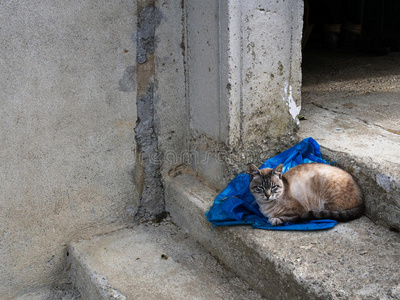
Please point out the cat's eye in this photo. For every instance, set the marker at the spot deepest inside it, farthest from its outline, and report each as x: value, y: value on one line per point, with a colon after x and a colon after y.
x: 259, y: 189
x: 274, y: 188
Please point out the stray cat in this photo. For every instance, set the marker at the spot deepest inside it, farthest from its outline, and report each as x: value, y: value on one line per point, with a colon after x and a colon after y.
x: 307, y: 191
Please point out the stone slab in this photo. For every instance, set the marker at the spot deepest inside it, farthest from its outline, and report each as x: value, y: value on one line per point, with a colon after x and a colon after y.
x: 153, y: 261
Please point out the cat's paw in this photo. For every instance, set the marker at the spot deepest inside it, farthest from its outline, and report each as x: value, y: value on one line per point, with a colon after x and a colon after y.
x: 275, y: 221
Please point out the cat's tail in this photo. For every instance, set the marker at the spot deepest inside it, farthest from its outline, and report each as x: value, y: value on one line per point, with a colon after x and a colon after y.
x: 339, y: 215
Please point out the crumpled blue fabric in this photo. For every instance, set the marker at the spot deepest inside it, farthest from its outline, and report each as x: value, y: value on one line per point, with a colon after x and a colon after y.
x: 235, y: 205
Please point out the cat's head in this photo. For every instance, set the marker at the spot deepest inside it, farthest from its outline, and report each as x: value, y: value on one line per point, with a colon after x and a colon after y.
x: 266, y: 185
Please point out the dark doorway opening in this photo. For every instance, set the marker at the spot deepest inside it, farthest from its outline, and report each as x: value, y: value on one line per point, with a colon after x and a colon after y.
x: 351, y: 92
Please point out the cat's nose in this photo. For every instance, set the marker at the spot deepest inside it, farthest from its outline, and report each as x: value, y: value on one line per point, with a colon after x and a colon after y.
x: 268, y: 194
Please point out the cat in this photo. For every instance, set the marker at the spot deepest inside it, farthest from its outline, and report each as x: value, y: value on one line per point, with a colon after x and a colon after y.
x: 307, y: 191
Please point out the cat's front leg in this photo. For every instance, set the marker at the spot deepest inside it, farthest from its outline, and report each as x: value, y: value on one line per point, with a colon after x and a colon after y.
x: 275, y: 221
x: 282, y: 220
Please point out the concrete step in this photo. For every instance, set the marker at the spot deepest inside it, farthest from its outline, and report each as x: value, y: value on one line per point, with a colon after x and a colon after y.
x: 153, y: 261
x: 65, y: 291
x: 355, y: 260
x: 362, y: 134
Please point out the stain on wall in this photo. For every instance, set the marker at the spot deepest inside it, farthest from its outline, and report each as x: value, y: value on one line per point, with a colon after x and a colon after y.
x: 128, y: 81
x: 152, y: 195
x: 148, y: 19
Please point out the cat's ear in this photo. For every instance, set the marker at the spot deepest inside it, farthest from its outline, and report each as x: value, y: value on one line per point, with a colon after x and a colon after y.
x: 253, y: 171
x: 278, y: 171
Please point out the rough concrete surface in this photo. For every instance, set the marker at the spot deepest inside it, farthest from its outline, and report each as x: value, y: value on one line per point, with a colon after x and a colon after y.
x: 61, y: 292
x: 271, y: 74
x: 202, y: 38
x: 147, y: 130
x: 66, y: 131
x: 243, y: 81
x: 266, y: 73
x: 169, y: 89
x: 153, y: 261
x: 148, y: 19
x: 355, y: 260
x: 152, y: 196
x: 351, y: 106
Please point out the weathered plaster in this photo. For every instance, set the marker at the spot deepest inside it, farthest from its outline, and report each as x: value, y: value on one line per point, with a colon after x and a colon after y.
x: 152, y: 196
x: 287, y: 97
x: 149, y: 18
x: 146, y: 130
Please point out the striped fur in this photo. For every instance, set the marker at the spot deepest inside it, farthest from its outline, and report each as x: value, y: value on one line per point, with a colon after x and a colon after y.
x: 308, y: 191
x: 343, y: 216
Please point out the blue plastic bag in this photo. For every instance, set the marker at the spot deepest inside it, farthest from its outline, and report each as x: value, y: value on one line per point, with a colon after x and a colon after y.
x: 235, y: 205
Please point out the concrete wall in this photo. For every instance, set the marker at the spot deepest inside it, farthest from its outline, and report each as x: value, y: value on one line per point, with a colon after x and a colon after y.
x: 88, y: 134
x: 170, y: 84
x: 68, y: 110
x: 244, y: 76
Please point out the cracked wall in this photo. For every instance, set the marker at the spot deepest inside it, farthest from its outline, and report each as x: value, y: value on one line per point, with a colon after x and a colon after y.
x: 148, y: 19
x: 146, y: 131
x: 162, y: 113
x: 152, y: 195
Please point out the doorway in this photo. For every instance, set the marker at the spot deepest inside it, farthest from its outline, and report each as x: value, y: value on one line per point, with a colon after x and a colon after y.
x: 351, y: 94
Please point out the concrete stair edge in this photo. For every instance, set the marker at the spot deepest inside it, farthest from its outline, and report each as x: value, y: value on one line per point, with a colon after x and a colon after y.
x: 90, y: 284
x: 380, y: 185
x: 152, y: 262
x: 280, y: 265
